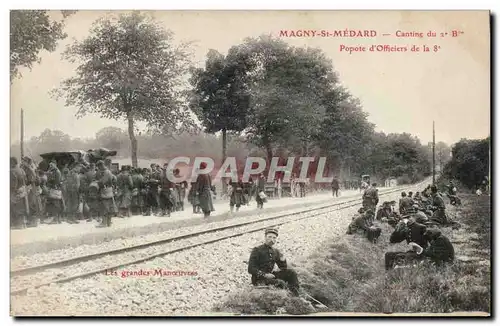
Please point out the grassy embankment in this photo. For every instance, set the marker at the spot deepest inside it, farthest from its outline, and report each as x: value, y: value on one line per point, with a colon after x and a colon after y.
x: 348, y: 275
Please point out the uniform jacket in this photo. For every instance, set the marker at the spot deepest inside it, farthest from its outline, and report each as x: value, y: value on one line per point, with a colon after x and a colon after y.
x: 412, y: 232
x: 262, y: 261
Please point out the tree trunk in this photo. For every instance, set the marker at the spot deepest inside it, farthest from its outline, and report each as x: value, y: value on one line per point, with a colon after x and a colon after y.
x: 133, y: 140
x: 224, y: 156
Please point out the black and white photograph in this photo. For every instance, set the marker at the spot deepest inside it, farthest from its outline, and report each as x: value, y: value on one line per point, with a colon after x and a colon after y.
x: 250, y: 163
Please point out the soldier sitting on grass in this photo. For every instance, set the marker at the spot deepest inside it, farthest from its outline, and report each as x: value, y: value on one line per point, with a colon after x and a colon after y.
x: 262, y: 261
x: 438, y: 251
x: 364, y: 224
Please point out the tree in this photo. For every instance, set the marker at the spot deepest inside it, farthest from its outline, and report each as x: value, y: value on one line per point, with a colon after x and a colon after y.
x: 470, y: 162
x: 345, y: 130
x: 287, y: 85
x: 129, y: 69
x: 111, y: 137
x: 220, y: 95
x: 32, y: 31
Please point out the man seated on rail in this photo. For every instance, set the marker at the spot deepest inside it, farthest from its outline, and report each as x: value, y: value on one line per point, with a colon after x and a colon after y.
x: 262, y: 261
x: 364, y: 224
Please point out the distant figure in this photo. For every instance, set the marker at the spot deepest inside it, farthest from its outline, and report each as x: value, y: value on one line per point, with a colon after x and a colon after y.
x: 335, y: 187
x: 260, y: 196
x: 262, y: 261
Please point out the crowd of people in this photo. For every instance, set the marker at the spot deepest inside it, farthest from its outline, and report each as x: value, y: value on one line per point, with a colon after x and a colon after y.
x: 93, y: 191
x: 416, y: 219
x: 48, y: 193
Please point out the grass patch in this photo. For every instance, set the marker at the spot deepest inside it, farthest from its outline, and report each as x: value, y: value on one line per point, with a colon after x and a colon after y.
x: 348, y: 275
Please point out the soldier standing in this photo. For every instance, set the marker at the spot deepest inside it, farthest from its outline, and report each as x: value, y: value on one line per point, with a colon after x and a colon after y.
x: 260, y: 195
x: 370, y: 198
x: 55, y: 207
x: 125, y: 185
x: 137, y: 181
x: 335, y: 186
x: 181, y: 190
x: 194, y: 199
x: 262, y: 261
x: 107, y: 200
x: 237, y: 196
x: 19, y: 209
x: 167, y: 198
x: 33, y: 193
x: 204, y: 190
x: 73, y: 194
x: 90, y: 191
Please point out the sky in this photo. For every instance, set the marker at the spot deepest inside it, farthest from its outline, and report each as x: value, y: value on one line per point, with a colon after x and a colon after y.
x: 401, y: 92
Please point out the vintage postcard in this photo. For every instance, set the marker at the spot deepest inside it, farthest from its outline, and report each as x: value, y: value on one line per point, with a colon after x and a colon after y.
x: 214, y: 163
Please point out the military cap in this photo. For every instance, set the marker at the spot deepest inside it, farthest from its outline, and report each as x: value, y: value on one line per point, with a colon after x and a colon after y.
x: 361, y: 210
x: 271, y: 230
x: 369, y: 212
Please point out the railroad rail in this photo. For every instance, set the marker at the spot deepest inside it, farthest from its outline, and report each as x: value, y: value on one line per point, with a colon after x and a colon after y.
x: 320, y: 210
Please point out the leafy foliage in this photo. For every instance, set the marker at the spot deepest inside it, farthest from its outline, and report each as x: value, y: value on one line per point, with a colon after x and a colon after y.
x: 129, y: 69
x: 470, y: 163
x: 32, y: 31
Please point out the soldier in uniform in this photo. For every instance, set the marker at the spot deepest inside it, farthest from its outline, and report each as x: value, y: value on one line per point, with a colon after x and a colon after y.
x: 237, y: 196
x: 262, y: 261
x: 364, y: 223
x: 335, y: 186
x: 152, y: 205
x: 204, y: 190
x: 440, y: 249
x: 167, y: 197
x: 410, y: 231
x: 73, y: 195
x: 137, y: 181
x: 370, y: 198
x: 180, y: 187
x: 438, y: 207
x: 125, y: 185
x: 33, y: 193
x: 19, y: 209
x: 107, y: 201
x: 193, y: 198
x: 261, y: 185
x: 55, y: 207
x: 405, y: 203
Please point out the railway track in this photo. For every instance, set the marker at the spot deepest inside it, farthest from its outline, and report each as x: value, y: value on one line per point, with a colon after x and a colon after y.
x: 151, y: 250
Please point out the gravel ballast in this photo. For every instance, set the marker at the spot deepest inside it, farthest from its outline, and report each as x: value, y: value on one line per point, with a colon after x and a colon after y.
x: 210, y: 273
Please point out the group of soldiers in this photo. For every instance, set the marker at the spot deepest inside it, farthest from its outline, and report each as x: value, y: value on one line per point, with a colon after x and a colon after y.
x: 92, y: 191
x: 417, y: 220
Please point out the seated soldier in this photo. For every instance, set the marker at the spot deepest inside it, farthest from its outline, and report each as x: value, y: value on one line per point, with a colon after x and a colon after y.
x: 440, y: 249
x: 411, y: 231
x: 405, y: 203
x: 384, y: 211
x: 364, y: 224
x: 262, y: 261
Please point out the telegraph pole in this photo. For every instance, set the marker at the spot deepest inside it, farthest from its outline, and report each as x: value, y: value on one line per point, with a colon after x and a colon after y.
x: 22, y: 133
x: 433, y: 154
